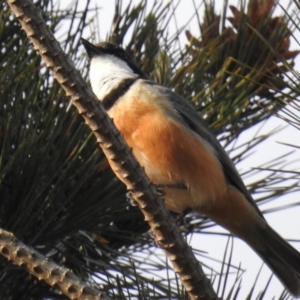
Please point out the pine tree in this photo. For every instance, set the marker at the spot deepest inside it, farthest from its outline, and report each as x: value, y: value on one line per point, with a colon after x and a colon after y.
x: 57, y: 192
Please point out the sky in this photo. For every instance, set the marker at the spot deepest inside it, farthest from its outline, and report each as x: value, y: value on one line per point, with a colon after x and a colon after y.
x: 286, y: 222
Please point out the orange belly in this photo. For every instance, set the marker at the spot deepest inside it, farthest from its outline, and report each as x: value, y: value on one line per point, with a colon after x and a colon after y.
x: 171, y: 154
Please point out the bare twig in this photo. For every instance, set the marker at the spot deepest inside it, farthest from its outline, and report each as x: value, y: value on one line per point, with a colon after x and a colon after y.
x: 113, y: 145
x: 40, y: 267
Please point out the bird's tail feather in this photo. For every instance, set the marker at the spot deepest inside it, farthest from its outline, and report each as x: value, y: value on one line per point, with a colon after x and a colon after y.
x: 281, y: 257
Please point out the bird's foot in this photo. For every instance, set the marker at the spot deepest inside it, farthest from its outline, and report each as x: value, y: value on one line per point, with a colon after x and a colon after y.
x: 130, y: 198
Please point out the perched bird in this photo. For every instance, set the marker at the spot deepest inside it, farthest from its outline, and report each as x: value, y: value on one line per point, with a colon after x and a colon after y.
x: 182, y: 157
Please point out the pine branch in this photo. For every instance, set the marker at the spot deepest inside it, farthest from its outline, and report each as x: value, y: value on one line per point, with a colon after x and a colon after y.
x: 163, y: 226
x: 43, y: 269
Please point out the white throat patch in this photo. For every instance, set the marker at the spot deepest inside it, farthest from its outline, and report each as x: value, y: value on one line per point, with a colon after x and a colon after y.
x: 106, y: 73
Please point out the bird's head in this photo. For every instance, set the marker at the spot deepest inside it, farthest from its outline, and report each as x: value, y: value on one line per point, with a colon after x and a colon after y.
x: 109, y: 65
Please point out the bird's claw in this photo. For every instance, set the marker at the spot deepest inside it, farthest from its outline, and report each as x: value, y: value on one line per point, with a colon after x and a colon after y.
x: 130, y: 198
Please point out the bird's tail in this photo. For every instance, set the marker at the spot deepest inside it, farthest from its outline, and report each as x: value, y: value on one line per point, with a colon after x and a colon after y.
x: 281, y: 257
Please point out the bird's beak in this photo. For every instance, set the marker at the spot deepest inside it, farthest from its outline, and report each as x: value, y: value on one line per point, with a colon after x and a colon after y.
x: 91, y: 49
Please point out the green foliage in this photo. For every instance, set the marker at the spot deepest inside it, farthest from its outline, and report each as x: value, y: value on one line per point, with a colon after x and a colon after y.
x: 57, y: 192
x: 239, y: 64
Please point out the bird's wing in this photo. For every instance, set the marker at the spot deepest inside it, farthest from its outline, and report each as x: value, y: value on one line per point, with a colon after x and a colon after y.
x: 191, y: 119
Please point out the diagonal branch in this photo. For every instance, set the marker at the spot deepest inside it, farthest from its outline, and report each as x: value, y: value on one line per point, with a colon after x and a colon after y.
x: 113, y: 145
x: 40, y: 267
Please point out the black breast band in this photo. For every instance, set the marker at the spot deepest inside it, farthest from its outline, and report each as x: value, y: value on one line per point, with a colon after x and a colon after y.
x: 114, y: 95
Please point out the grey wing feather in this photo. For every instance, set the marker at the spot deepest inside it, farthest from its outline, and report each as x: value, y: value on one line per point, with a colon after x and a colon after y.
x: 191, y: 119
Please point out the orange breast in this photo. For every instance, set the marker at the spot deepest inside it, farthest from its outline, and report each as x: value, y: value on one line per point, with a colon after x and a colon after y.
x: 170, y: 152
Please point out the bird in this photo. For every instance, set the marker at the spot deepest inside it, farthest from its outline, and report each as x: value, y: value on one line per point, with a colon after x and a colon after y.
x: 182, y: 157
